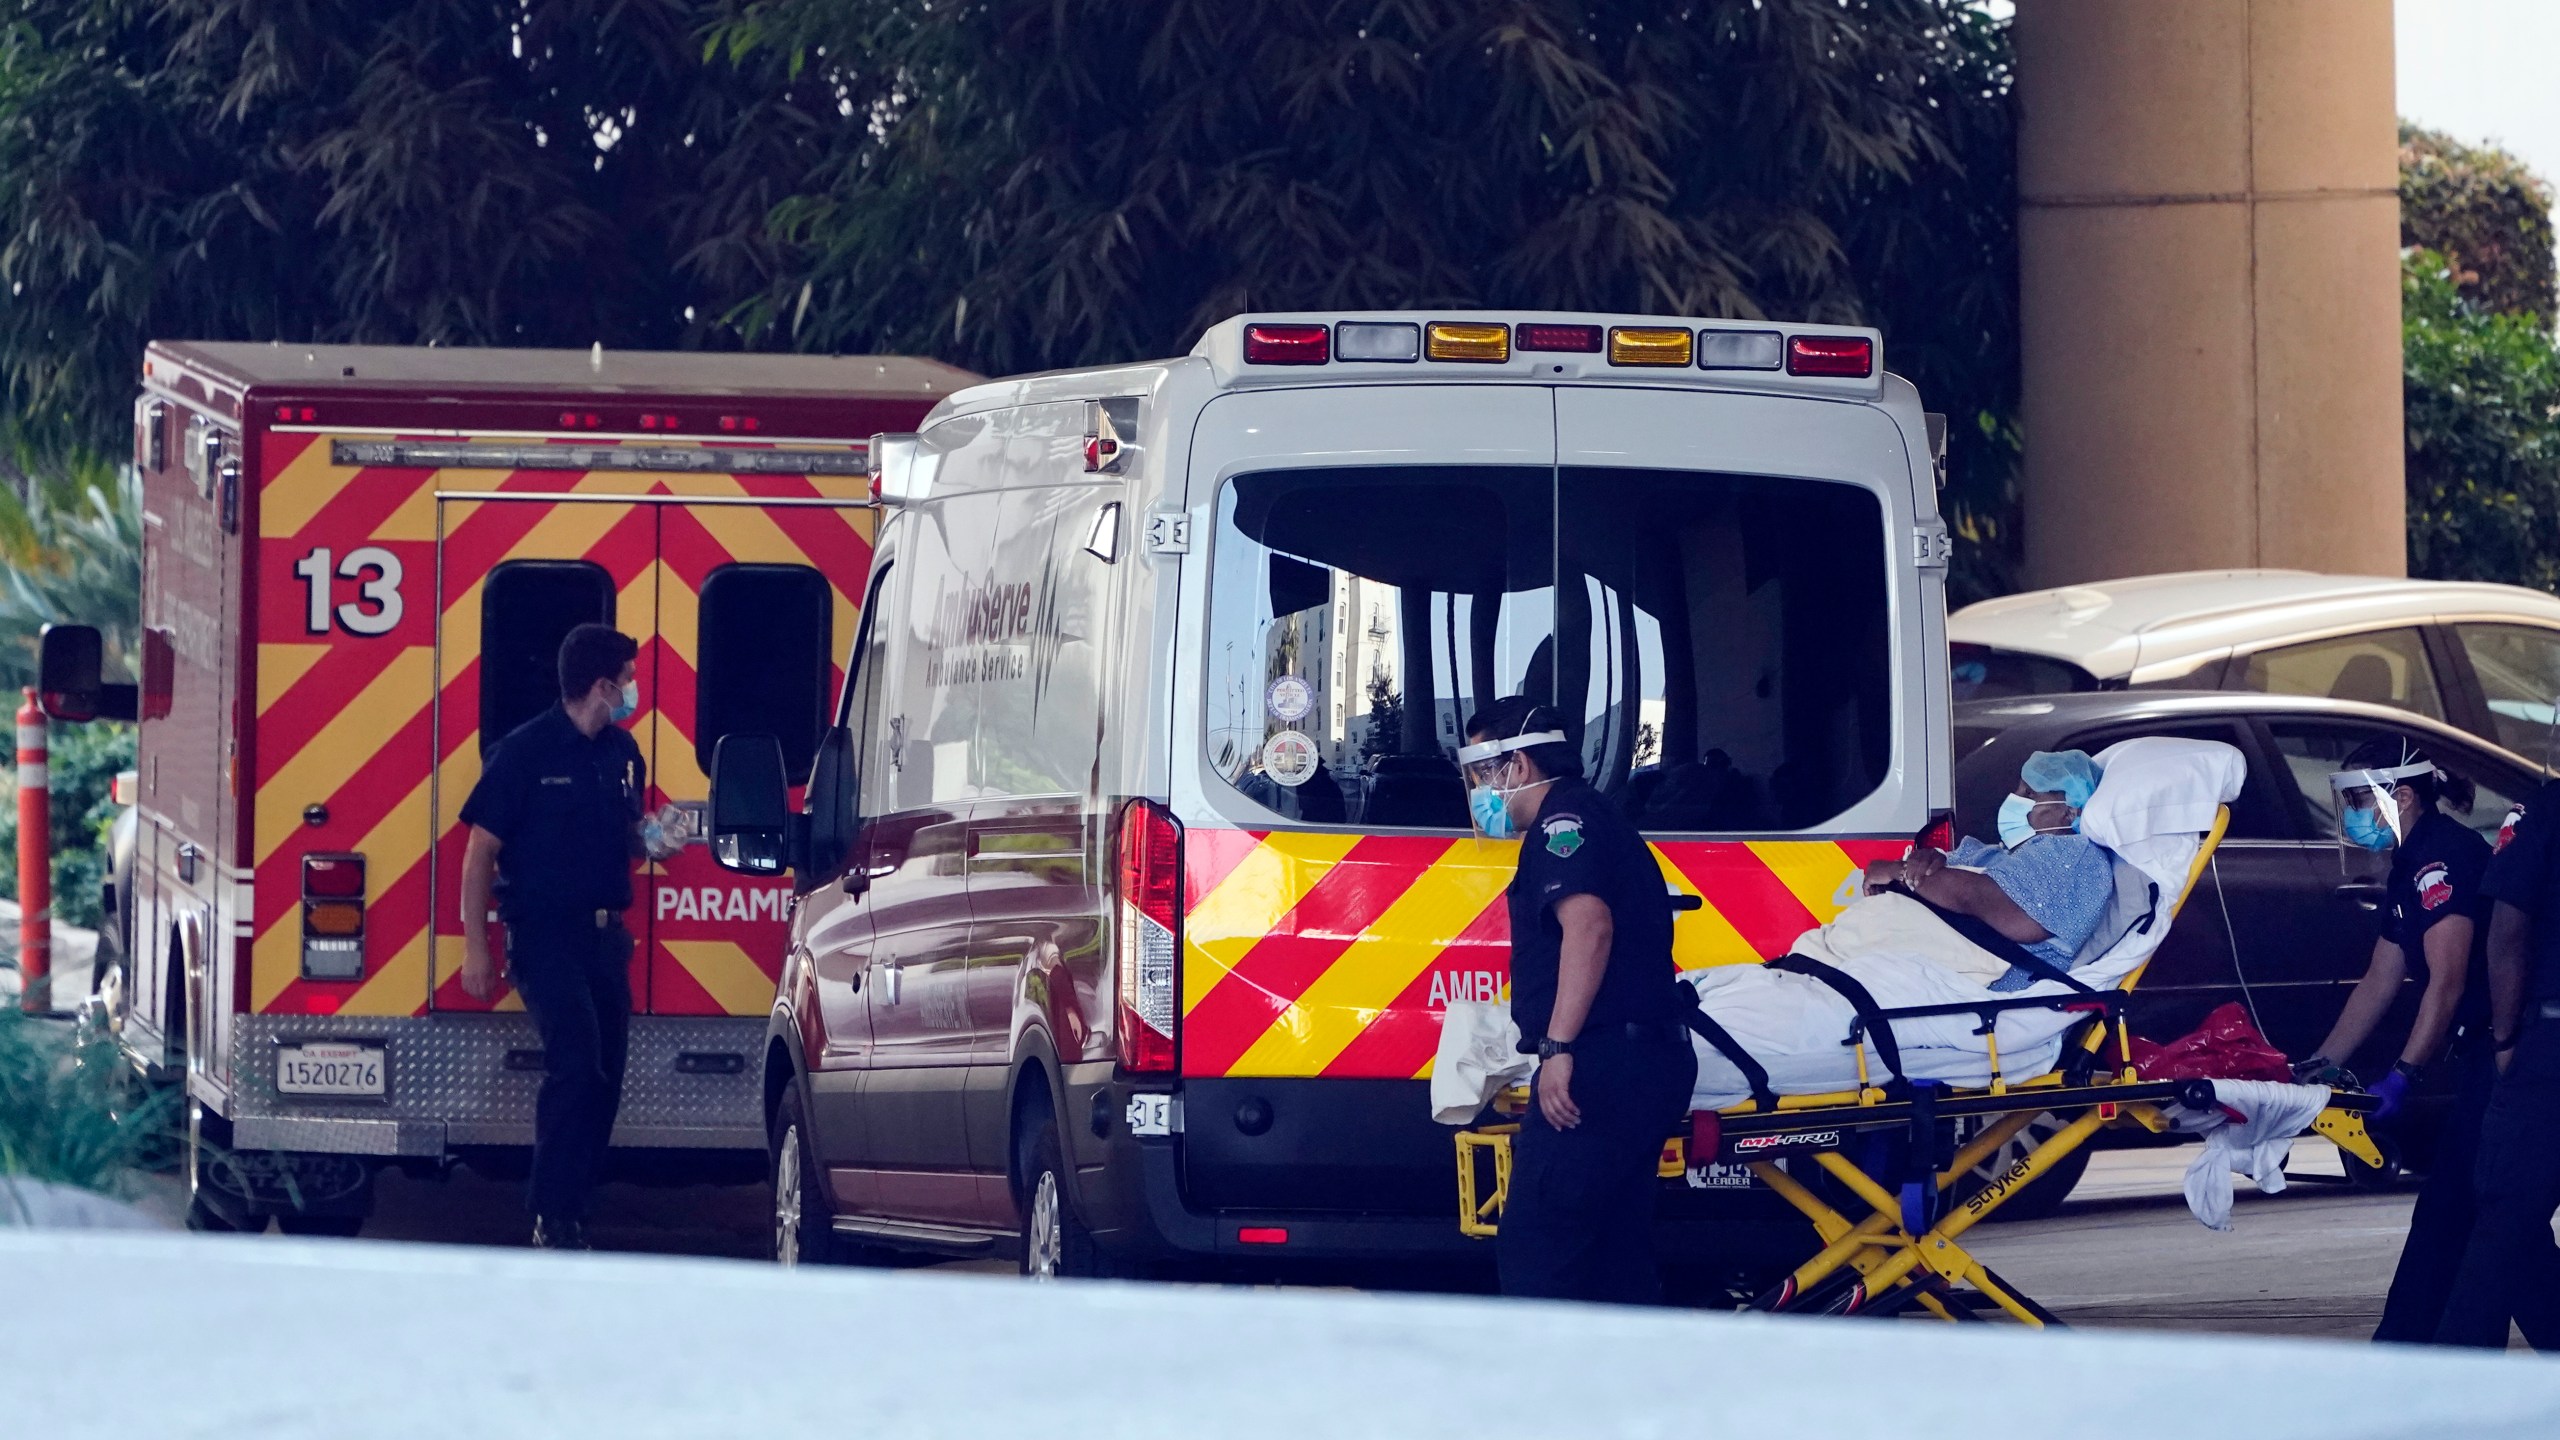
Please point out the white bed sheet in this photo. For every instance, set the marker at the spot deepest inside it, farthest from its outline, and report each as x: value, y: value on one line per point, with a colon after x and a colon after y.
x: 2156, y: 800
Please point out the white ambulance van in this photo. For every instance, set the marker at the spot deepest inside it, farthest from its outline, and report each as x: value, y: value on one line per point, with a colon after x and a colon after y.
x: 1135, y: 871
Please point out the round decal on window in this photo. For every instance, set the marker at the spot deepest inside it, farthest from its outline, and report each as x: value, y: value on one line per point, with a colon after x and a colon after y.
x: 1290, y: 698
x: 1289, y: 758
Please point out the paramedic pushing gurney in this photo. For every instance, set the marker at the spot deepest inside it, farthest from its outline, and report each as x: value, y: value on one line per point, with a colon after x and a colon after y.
x: 1593, y: 989
x: 2044, y: 887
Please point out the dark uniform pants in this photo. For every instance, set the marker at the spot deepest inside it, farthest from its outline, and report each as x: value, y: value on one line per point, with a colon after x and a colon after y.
x: 575, y: 977
x: 1578, y: 1222
x: 2440, y: 1224
x: 2511, y: 1269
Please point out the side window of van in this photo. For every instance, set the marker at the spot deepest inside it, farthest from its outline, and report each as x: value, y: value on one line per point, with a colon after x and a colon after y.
x: 767, y: 634
x: 527, y: 607
x: 950, y: 603
x: 1034, y: 649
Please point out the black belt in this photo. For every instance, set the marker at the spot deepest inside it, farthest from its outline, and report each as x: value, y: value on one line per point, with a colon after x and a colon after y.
x: 604, y: 919
x: 1657, y: 1030
x: 1870, y: 1015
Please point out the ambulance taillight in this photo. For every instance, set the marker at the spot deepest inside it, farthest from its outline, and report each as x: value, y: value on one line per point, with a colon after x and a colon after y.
x: 1853, y: 356
x: 1148, y: 879
x: 1288, y: 344
x: 332, y: 917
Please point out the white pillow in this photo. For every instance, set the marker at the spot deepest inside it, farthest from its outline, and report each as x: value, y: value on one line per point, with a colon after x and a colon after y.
x: 2154, y: 785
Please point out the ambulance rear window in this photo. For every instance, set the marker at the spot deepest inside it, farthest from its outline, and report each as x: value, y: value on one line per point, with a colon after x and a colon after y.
x: 527, y: 607
x: 1719, y: 644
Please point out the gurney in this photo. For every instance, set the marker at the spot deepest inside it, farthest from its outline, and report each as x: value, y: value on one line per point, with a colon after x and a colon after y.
x: 1887, y: 1146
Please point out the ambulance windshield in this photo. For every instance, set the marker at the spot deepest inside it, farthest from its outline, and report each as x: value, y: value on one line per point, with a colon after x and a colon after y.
x: 1720, y: 642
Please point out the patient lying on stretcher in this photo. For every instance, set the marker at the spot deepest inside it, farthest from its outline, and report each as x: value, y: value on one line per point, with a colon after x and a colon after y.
x: 2043, y: 887
x: 1933, y: 929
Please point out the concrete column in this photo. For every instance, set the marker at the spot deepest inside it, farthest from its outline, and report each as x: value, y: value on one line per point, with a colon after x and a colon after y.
x: 2210, y: 293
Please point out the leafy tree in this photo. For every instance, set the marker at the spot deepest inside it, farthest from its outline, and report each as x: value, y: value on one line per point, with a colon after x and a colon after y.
x: 2486, y: 214
x: 72, y: 561
x: 1030, y: 183
x: 2482, y: 394
x: 403, y: 171
x: 1385, y: 731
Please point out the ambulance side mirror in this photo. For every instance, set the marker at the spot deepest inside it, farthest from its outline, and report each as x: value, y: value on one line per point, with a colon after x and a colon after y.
x: 71, y: 677
x: 750, y: 805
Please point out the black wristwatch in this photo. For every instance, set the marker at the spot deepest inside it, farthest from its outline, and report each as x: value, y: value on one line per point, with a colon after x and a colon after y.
x: 2415, y: 1073
x: 1550, y: 1047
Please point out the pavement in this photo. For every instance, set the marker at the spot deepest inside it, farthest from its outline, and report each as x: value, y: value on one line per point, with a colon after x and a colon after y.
x: 2123, y: 1253
x: 73, y: 956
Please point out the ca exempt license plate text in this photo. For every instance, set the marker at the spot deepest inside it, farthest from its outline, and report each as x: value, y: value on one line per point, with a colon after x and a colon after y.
x: 329, y: 1067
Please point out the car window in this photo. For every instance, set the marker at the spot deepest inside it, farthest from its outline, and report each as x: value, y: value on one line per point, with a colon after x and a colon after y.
x: 2519, y: 670
x: 2312, y: 750
x: 2379, y: 667
x: 1986, y: 672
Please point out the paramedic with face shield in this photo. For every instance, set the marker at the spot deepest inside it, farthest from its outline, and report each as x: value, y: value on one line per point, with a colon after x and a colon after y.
x: 2044, y: 887
x: 2432, y: 908
x: 1595, y: 994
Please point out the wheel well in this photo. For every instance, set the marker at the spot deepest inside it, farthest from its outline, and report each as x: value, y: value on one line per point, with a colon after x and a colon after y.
x: 778, y: 1072
x: 1031, y: 1093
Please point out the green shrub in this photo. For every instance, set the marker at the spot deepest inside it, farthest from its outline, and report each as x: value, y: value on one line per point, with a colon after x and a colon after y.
x: 2487, y: 214
x: 2482, y: 394
x: 85, y: 759
x: 71, y: 1111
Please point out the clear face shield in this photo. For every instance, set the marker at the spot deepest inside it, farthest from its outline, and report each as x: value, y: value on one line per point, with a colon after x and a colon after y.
x: 2368, y: 808
x: 1494, y: 773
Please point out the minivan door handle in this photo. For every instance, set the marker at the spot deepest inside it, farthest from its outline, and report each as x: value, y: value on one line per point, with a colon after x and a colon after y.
x: 2364, y: 894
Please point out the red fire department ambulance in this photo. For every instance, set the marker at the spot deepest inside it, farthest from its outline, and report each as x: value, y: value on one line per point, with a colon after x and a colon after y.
x: 358, y: 566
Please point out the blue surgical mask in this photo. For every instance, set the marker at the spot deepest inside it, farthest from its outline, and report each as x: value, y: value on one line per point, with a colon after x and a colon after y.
x: 629, y: 703
x: 2364, y: 827
x: 1492, y: 816
x: 2016, y: 826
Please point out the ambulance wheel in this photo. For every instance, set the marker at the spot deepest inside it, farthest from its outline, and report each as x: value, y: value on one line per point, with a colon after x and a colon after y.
x: 208, y: 1210
x: 803, y: 1226
x: 1055, y: 1244
x: 2041, y: 1197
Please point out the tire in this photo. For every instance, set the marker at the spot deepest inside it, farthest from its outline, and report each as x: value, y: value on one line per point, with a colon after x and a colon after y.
x: 2038, y: 1199
x: 1055, y: 1244
x: 207, y: 1140
x: 334, y: 1227
x: 803, y: 1228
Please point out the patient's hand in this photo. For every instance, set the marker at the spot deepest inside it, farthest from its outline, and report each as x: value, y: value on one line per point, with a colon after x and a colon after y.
x: 1921, y: 864
x: 1881, y: 875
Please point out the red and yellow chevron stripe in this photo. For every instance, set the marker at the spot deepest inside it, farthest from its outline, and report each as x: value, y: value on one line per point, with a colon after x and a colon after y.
x: 1309, y: 953
x: 382, y: 730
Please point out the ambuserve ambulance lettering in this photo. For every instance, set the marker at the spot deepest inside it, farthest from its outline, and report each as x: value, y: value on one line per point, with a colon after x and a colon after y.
x: 714, y: 902
x: 993, y: 631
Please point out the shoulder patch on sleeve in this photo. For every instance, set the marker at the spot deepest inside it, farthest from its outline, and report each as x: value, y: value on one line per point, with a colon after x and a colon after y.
x: 1564, y: 835
x: 2507, y: 827
x: 2434, y: 884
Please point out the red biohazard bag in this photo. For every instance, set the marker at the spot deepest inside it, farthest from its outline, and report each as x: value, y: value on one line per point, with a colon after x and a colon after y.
x: 2225, y: 1047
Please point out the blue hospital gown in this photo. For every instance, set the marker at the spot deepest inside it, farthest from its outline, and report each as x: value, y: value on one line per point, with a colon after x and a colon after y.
x: 2063, y: 882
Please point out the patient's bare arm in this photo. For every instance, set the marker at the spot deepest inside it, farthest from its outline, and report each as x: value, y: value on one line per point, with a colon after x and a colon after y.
x: 1969, y: 892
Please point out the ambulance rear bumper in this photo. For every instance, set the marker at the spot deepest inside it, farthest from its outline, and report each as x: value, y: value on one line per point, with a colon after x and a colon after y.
x: 458, y: 1081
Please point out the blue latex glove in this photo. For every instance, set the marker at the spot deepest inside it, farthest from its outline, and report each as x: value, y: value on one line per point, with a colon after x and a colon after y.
x: 2393, y: 1089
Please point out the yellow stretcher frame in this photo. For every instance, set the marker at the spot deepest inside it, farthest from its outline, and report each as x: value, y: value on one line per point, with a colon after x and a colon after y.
x: 1875, y: 1265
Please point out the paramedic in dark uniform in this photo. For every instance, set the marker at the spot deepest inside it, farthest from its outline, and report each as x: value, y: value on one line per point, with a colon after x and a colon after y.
x: 2433, y: 920
x: 1596, y: 996
x: 557, y: 818
x: 2511, y: 1269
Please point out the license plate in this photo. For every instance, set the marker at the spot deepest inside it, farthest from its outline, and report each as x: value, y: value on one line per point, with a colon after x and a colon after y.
x: 330, y: 1067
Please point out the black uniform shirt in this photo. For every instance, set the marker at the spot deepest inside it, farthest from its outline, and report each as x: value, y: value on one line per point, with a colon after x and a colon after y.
x: 1581, y: 845
x: 2436, y: 874
x: 2522, y: 876
x: 567, y: 809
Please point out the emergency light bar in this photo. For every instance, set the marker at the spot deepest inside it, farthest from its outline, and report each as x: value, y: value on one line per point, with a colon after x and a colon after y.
x: 714, y: 460
x: 1480, y: 342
